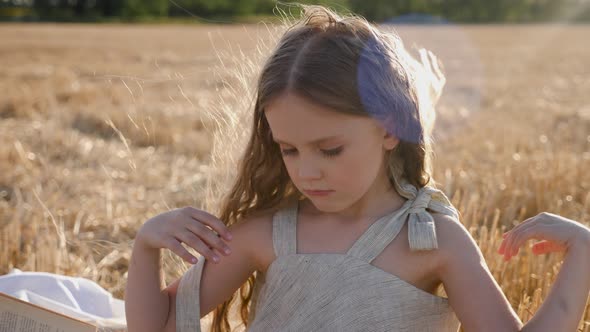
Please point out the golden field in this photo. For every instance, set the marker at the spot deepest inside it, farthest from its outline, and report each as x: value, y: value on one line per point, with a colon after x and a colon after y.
x: 104, y: 126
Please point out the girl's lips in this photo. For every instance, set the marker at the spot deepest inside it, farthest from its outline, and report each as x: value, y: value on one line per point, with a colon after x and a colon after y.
x: 318, y: 192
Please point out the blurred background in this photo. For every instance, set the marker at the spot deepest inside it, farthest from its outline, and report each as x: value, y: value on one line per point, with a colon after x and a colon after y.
x: 378, y: 10
x: 113, y: 111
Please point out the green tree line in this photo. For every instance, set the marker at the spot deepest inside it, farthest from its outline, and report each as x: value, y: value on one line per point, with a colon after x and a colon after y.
x: 374, y: 10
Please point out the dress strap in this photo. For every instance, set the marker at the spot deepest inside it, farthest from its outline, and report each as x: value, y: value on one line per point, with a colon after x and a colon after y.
x: 188, y: 310
x: 421, y: 229
x: 284, y: 230
x: 422, y: 232
x: 187, y: 297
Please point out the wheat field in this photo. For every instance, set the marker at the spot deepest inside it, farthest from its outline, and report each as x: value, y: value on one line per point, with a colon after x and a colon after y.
x: 104, y: 126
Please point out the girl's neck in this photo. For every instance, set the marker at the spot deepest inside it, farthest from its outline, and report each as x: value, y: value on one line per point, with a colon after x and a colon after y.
x: 370, y: 207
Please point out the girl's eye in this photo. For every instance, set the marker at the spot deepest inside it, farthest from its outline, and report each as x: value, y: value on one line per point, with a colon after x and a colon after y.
x: 287, y: 152
x: 333, y: 152
x: 327, y: 153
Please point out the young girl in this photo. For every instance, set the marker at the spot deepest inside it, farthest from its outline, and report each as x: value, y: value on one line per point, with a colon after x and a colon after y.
x: 334, y: 223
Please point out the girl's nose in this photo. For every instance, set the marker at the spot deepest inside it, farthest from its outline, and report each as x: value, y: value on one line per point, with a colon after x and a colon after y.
x: 309, y: 172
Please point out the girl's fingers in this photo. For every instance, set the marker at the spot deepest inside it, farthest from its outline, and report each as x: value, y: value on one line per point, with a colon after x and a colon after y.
x: 533, y: 231
x: 529, y: 231
x: 541, y: 248
x: 209, y: 220
x: 508, y: 245
x: 194, y: 242
x: 543, y: 226
x: 179, y: 250
x: 523, y: 224
x: 518, y: 238
x: 502, y: 246
x: 547, y: 246
x: 209, y: 237
x: 509, y: 248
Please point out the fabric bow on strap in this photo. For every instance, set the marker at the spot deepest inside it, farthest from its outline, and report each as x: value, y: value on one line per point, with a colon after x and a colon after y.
x: 421, y: 229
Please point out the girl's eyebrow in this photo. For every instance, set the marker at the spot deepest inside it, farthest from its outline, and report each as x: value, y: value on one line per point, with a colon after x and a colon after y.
x: 316, y: 141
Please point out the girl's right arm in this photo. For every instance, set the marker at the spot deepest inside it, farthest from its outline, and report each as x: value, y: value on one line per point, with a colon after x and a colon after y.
x: 478, y: 300
x: 149, y: 304
x: 564, y: 306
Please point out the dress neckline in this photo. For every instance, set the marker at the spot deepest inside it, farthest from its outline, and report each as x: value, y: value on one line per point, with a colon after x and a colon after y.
x: 396, y: 215
x: 389, y: 275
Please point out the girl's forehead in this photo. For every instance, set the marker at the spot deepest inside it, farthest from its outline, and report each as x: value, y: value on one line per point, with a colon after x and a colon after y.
x: 309, y: 130
x: 303, y: 122
x: 292, y: 111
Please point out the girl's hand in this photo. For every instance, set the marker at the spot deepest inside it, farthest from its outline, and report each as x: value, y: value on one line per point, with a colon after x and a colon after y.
x: 558, y: 233
x: 188, y: 225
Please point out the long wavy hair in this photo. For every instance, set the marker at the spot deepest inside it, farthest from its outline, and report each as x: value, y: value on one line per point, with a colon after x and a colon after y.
x: 349, y: 65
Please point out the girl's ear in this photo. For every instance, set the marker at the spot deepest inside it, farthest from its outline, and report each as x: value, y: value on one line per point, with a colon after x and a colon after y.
x: 390, y: 141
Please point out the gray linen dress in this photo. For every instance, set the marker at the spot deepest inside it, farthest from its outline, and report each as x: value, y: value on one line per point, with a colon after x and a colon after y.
x: 339, y: 292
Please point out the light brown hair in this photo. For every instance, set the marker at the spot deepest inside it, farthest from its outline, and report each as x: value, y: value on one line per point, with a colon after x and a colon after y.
x: 343, y: 63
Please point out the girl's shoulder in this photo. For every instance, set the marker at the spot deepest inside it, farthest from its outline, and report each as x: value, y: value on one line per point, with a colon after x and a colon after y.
x: 257, y: 228
x: 454, y: 241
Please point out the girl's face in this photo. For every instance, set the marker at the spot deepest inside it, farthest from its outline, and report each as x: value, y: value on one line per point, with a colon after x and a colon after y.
x: 326, y: 150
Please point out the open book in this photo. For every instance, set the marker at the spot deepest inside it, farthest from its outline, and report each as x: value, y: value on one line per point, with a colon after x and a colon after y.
x: 21, y: 316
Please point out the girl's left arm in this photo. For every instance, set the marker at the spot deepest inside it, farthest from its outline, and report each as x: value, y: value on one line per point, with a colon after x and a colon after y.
x: 478, y: 300
x: 564, y: 306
